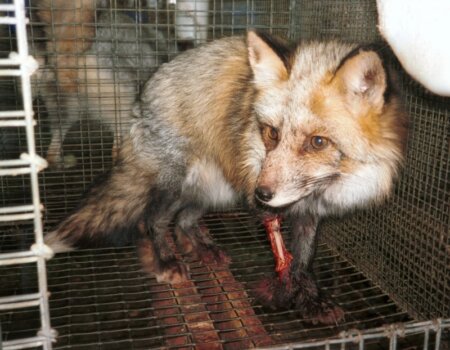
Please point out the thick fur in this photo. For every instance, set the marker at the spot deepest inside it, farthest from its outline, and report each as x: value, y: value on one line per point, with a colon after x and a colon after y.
x: 94, y: 66
x: 239, y: 119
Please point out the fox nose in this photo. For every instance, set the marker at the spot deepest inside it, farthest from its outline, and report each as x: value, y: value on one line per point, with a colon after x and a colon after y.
x: 263, y: 194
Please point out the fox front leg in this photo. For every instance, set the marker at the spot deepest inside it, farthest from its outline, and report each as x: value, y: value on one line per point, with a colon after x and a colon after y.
x: 295, y: 286
x: 312, y: 302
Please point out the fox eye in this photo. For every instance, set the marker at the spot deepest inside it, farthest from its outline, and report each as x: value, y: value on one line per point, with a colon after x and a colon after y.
x: 270, y: 136
x: 319, y: 142
x: 272, y: 133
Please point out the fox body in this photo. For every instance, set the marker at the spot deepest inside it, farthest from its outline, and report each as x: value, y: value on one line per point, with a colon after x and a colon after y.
x: 304, y: 130
x: 93, y: 71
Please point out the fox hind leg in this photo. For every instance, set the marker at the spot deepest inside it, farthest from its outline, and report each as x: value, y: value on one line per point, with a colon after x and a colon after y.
x: 195, y: 240
x: 157, y: 254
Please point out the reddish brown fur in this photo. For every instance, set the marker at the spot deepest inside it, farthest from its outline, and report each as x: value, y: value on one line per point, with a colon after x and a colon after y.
x: 71, y: 32
x: 381, y: 123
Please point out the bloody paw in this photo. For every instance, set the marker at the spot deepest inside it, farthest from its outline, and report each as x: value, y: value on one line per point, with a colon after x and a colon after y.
x: 264, y: 292
x: 172, y: 271
x: 213, y: 255
x: 275, y: 292
x: 284, y: 292
x: 322, y: 311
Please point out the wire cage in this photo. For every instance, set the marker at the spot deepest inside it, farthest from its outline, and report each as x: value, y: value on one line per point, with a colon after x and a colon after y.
x: 18, y: 67
x: 387, y: 267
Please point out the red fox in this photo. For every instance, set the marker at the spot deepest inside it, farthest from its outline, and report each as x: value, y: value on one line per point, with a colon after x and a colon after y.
x: 303, y: 130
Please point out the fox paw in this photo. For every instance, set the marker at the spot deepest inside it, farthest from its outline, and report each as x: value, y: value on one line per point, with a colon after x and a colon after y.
x: 169, y: 271
x: 323, y: 311
x: 213, y: 255
x: 272, y: 293
x: 208, y: 254
x: 301, y: 295
x: 172, y: 271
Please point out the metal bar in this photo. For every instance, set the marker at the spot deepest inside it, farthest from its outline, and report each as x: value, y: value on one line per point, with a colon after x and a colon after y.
x: 16, y: 209
x: 438, y: 325
x: 426, y: 339
x: 15, y: 172
x: 28, y: 108
x: 18, y: 260
x: 8, y: 20
x: 7, y: 7
x: 13, y: 162
x: 9, y: 62
x: 393, y: 342
x: 376, y: 333
x: 10, y: 72
x: 19, y: 301
x: 20, y: 305
x: 12, y: 123
x: 25, y: 343
x: 12, y: 114
x: 27, y: 65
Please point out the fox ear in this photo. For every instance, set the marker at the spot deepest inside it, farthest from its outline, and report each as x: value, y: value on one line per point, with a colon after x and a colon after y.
x: 267, y: 58
x: 363, y: 79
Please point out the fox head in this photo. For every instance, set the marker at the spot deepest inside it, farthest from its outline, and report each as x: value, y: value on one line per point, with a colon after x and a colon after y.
x: 330, y: 124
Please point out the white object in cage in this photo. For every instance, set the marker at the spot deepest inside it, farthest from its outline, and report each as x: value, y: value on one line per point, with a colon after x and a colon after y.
x: 191, y: 20
x: 417, y: 31
x: 30, y: 163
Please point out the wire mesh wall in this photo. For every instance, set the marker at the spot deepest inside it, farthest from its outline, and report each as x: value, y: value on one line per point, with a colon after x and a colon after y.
x: 386, y: 266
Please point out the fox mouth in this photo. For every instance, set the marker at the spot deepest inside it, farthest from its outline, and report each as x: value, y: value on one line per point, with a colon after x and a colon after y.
x: 279, y: 209
x: 310, y: 188
x: 264, y: 207
x: 274, y: 208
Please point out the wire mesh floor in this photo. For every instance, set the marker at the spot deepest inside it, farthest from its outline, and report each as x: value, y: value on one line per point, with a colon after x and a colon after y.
x: 101, y: 299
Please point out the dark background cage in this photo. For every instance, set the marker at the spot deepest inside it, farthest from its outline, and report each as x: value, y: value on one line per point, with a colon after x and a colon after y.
x: 388, y: 265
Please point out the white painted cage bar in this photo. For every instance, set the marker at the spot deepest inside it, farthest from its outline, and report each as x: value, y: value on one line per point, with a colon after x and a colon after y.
x: 393, y: 332
x: 22, y: 65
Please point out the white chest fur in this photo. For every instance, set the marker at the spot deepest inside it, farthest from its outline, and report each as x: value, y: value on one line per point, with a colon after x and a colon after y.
x: 205, y: 182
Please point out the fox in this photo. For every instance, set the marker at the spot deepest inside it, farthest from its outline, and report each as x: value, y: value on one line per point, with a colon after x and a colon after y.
x: 304, y: 130
x: 91, y: 70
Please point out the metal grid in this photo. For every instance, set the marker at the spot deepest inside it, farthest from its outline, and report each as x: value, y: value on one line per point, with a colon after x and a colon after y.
x: 353, y: 21
x: 19, y: 64
x: 101, y: 299
x: 383, y: 266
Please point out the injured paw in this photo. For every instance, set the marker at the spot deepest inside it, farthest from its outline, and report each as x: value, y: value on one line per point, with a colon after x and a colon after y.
x: 325, y: 312
x: 298, y: 294
x: 172, y: 271
x: 209, y: 255
x: 274, y: 293
x: 213, y: 255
